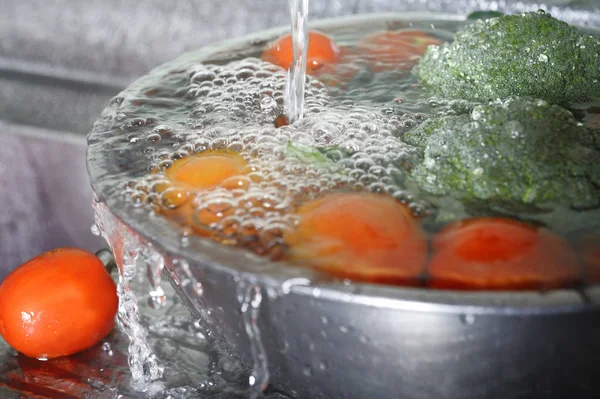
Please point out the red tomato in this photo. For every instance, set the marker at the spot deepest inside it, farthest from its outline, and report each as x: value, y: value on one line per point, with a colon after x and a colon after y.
x: 395, y: 50
x: 360, y: 236
x: 201, y: 171
x: 205, y: 170
x: 346, y: 67
x: 321, y: 51
x: 281, y: 120
x: 500, y: 254
x: 57, y: 304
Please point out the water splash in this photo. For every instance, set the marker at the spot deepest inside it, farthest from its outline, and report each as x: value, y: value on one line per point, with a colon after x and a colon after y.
x: 251, y: 300
x: 143, y: 363
x: 155, y: 264
x: 193, y: 289
x: 294, y: 88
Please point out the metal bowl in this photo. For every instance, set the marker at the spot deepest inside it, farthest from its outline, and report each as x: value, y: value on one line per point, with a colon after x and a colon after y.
x: 369, y: 341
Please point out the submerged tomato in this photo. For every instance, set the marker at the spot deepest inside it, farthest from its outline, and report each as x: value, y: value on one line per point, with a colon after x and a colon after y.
x: 340, y: 73
x: 500, y: 254
x: 321, y: 51
x: 57, y: 304
x: 205, y: 170
x: 395, y: 50
x: 360, y: 236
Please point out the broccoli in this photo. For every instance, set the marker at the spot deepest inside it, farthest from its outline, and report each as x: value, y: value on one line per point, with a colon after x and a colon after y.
x: 518, y: 149
x: 531, y: 54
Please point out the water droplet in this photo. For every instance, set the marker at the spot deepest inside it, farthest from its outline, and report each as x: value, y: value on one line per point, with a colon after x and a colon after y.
x: 286, y: 286
x: 307, y: 371
x: 157, y: 298
x: 116, y: 101
x: 198, y: 289
x: 106, y: 348
x: 467, y: 319
x: 323, y: 365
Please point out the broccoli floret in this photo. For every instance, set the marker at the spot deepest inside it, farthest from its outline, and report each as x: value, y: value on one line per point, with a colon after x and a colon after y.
x: 531, y: 54
x: 419, y: 137
x: 519, y: 149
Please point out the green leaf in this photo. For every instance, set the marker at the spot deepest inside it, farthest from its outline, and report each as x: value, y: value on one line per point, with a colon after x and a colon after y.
x: 308, y: 154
